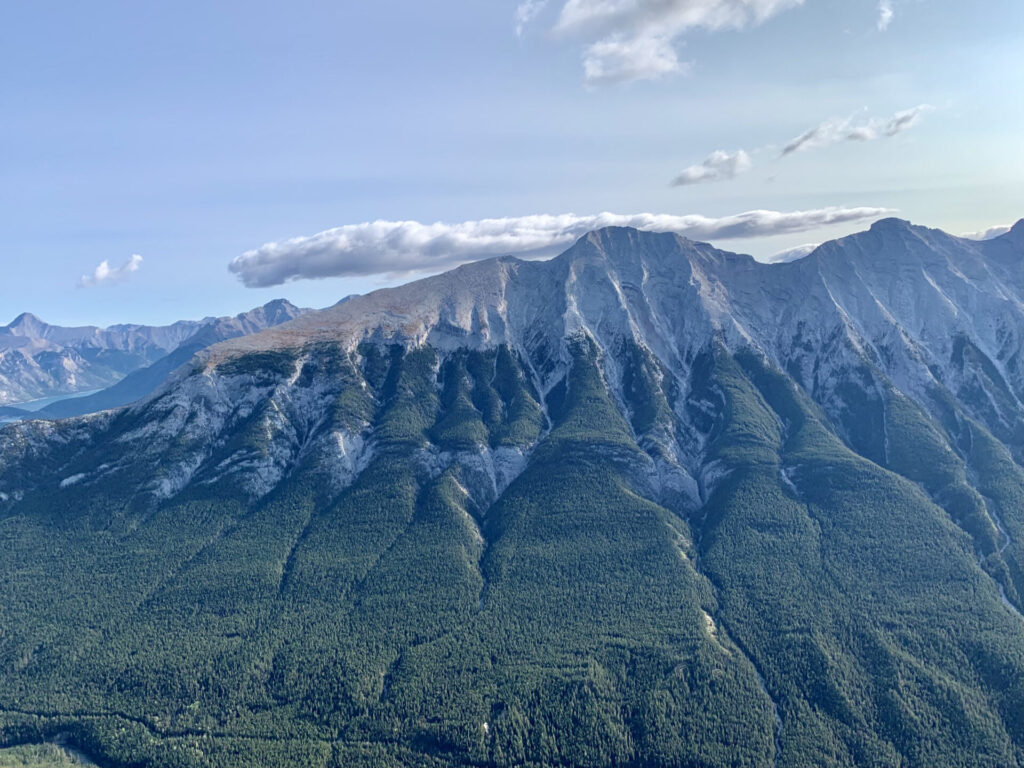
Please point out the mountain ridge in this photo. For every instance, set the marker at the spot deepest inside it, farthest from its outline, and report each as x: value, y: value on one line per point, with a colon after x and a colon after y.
x: 39, y: 360
x: 733, y: 295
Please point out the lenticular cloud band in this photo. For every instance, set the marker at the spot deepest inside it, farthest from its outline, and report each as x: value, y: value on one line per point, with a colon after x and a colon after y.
x: 402, y: 247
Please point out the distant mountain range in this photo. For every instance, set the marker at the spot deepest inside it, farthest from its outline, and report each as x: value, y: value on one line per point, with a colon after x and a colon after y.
x: 648, y: 503
x: 39, y: 361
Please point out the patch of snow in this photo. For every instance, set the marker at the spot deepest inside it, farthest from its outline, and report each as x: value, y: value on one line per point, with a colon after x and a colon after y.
x: 72, y: 480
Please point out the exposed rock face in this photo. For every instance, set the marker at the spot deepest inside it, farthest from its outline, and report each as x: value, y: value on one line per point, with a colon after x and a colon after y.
x: 912, y: 308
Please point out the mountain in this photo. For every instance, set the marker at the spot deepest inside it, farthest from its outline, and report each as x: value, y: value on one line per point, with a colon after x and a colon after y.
x: 38, y: 360
x: 647, y: 503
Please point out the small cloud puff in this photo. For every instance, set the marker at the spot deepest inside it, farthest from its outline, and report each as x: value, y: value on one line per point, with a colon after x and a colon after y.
x: 621, y: 59
x: 884, y: 14
x: 403, y: 247
x: 526, y: 12
x: 105, y: 274
x: 718, y: 165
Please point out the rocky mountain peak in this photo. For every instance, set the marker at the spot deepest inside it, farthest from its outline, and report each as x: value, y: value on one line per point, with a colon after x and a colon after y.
x: 26, y: 324
x: 278, y: 310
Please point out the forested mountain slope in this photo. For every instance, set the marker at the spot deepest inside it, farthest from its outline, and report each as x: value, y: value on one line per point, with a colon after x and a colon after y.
x: 647, y: 503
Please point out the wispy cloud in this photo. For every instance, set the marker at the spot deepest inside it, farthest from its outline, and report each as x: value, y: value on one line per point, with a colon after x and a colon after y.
x: 403, y: 247
x: 836, y: 130
x: 105, y: 274
x: 718, y: 165
x: 791, y: 254
x: 828, y: 132
x: 526, y: 12
x: 987, y: 234
x: 905, y: 119
x: 726, y: 165
x: 637, y: 39
x: 884, y: 14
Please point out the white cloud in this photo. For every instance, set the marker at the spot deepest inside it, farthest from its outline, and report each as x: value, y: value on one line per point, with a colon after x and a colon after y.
x: 617, y: 59
x: 636, y: 39
x: 790, y: 254
x: 718, y: 165
x: 526, y: 12
x: 906, y: 119
x: 884, y: 14
x: 402, y: 247
x: 835, y: 130
x: 987, y: 234
x: 669, y: 16
x: 861, y: 133
x: 104, y: 274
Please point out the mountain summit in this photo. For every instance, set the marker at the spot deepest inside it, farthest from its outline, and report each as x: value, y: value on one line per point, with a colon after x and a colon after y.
x: 26, y: 324
x: 647, y: 503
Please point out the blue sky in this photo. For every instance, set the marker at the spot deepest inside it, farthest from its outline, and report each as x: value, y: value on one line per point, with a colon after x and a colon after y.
x: 192, y: 133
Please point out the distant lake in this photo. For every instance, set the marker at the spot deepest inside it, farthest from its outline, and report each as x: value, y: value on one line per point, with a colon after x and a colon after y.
x: 35, y: 405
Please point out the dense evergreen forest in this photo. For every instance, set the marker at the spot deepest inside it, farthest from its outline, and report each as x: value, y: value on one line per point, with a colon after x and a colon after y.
x: 828, y: 602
